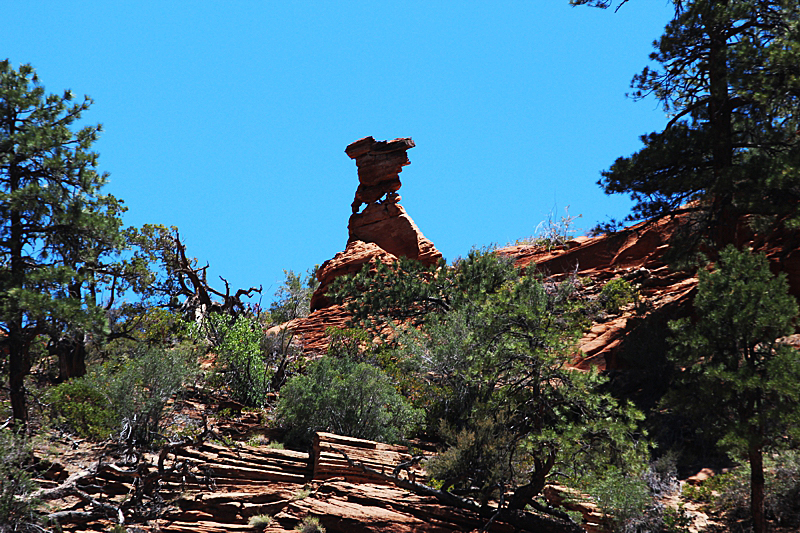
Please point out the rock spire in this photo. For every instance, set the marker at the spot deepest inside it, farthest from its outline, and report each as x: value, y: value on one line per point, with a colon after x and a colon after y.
x: 382, y: 230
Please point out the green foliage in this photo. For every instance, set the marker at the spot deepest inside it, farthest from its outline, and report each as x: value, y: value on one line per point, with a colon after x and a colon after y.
x: 293, y: 298
x: 741, y: 384
x: 82, y: 407
x: 726, y: 72
x: 310, y: 524
x: 476, y: 453
x: 67, y: 266
x: 410, y: 292
x: 617, y: 293
x: 736, y: 376
x: 260, y: 521
x: 250, y: 362
x: 623, y: 499
x: 141, y: 387
x: 730, y: 492
x: 486, y: 358
x: 17, y: 506
x: 128, y: 396
x: 346, y: 397
x: 632, y: 502
x: 243, y: 365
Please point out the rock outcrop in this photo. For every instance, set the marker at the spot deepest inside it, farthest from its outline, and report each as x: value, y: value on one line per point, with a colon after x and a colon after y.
x: 382, y: 231
x: 634, y: 254
x: 218, y: 489
x: 379, y: 165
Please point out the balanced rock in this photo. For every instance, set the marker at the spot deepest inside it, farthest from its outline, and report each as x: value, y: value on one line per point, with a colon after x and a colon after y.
x: 383, y: 231
x: 379, y: 165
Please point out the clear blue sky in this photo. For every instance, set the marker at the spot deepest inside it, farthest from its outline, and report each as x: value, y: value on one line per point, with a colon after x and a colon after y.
x: 230, y: 119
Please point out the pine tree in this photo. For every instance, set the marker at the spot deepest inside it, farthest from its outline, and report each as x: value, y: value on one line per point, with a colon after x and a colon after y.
x: 737, y: 378
x: 728, y: 74
x: 56, y: 229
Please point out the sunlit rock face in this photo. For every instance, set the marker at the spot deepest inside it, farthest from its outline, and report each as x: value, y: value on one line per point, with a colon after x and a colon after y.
x: 382, y: 230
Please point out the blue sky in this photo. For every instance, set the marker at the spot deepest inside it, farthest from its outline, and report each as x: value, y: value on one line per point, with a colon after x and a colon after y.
x: 230, y: 119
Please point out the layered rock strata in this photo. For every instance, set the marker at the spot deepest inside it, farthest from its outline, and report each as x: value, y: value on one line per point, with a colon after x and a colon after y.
x: 379, y: 165
x: 382, y: 231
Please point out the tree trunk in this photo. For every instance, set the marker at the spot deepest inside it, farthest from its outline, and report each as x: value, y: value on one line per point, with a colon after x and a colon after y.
x: 18, y: 356
x: 723, y: 218
x: 71, y: 353
x: 18, y: 367
x: 754, y: 453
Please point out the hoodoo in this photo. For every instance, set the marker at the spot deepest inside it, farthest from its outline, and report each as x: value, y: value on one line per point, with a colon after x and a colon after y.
x: 382, y: 230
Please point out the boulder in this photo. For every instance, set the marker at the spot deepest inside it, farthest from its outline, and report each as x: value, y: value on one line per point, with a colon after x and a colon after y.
x: 388, y: 225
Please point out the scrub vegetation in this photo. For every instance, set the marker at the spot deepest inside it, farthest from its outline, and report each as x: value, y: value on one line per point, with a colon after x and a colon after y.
x: 107, y: 332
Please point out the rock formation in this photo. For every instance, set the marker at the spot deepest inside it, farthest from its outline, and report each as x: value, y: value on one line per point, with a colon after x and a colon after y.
x: 383, y: 231
x: 379, y: 165
x: 212, y: 488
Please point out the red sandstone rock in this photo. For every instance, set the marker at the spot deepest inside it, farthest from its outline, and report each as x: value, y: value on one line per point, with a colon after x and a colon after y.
x: 388, y: 225
x: 383, y: 231
x: 379, y: 165
x: 349, y: 261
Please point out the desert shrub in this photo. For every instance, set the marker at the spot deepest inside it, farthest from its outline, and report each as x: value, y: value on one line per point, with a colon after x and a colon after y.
x: 293, y: 297
x: 81, y: 407
x: 553, y: 232
x: 140, y: 391
x: 488, y: 350
x: 623, y: 499
x: 617, y: 293
x: 250, y: 362
x: 632, y: 503
x: 242, y: 364
x: 783, y: 490
x: 17, y: 508
x: 128, y: 395
x: 260, y: 521
x: 344, y: 397
x: 478, y: 452
x: 310, y: 524
x: 731, y: 492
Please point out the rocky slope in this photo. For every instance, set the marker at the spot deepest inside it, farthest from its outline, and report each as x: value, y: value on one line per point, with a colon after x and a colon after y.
x: 350, y: 485
x: 358, y: 486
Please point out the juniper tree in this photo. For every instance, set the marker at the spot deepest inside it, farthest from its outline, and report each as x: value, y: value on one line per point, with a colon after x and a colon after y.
x: 487, y: 357
x: 737, y: 379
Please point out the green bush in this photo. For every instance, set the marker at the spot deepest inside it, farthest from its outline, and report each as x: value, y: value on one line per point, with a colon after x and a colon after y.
x: 623, y: 499
x: 80, y: 406
x: 310, y: 524
x: 478, y: 453
x: 140, y: 391
x: 250, y: 362
x: 129, y: 396
x: 781, y: 493
x: 260, y: 521
x: 344, y: 397
x: 17, y: 507
x: 617, y: 293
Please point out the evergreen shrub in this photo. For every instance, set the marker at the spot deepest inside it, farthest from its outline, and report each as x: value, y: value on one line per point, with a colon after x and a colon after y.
x: 128, y: 396
x: 17, y: 508
x: 345, y: 397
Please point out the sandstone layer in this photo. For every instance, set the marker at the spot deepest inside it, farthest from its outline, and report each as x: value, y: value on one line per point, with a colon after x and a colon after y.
x: 218, y: 489
x: 379, y: 165
x: 383, y: 231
